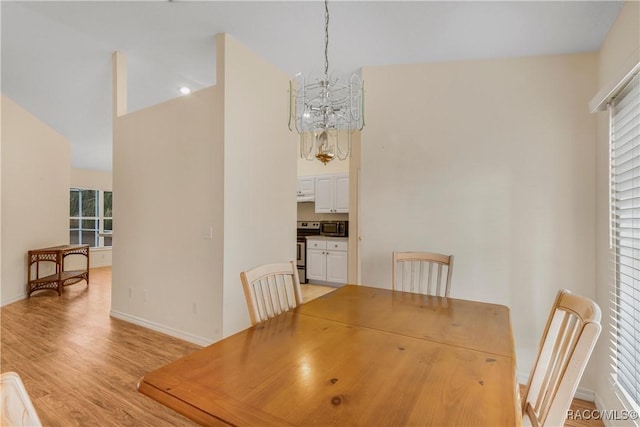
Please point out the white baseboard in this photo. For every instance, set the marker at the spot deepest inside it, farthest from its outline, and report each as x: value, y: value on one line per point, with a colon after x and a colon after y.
x: 581, y: 393
x: 600, y: 407
x: 161, y: 328
x: 14, y: 299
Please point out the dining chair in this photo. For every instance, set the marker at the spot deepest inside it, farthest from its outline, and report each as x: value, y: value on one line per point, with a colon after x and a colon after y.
x: 271, y: 289
x: 16, y: 408
x: 422, y: 272
x: 568, y: 340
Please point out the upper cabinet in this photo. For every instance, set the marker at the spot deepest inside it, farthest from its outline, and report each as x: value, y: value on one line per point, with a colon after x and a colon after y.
x: 332, y: 193
x: 306, y: 189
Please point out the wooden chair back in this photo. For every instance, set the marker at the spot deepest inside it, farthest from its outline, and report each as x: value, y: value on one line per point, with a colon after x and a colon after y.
x: 422, y: 272
x: 566, y: 345
x: 271, y: 289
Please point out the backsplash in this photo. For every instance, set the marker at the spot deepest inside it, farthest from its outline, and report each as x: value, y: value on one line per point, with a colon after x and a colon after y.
x: 307, y: 212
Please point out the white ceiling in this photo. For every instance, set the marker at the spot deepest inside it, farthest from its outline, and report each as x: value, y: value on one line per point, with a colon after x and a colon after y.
x: 56, y: 56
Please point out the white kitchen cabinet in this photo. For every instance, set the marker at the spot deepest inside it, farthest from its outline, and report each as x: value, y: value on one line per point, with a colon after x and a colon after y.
x: 327, y: 260
x: 306, y: 188
x: 337, y: 262
x: 332, y: 193
x: 316, y: 265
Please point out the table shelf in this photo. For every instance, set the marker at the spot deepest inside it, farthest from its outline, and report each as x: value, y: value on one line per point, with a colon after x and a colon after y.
x: 61, y: 278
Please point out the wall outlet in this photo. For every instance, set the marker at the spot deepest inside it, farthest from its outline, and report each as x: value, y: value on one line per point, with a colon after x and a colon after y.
x: 207, y: 232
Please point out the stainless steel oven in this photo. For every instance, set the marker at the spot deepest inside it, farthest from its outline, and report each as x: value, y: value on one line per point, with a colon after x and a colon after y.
x: 305, y: 228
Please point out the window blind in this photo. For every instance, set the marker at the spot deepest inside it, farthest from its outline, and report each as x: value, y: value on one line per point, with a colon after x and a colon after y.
x: 625, y: 226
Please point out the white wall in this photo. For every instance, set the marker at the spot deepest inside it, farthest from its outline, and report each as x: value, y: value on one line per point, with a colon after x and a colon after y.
x: 91, y: 179
x: 94, y: 180
x: 193, y: 164
x: 492, y: 161
x: 259, y: 176
x: 167, y: 190
x: 620, y: 50
x: 35, y: 194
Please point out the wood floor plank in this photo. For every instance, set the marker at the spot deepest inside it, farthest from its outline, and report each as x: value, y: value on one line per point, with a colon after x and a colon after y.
x: 81, y: 367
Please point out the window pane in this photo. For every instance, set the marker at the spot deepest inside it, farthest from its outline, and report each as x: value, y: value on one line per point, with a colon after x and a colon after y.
x: 89, y: 238
x: 86, y: 216
x: 74, y: 203
x: 90, y: 224
x: 89, y: 203
x: 108, y: 208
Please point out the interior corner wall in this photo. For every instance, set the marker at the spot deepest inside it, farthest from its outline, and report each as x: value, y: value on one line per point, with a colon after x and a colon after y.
x: 168, y: 222
x: 492, y: 161
x: 259, y: 175
x: 35, y: 193
x: 619, y: 52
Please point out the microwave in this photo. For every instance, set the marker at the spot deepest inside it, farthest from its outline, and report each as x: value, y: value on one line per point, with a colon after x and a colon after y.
x: 334, y: 228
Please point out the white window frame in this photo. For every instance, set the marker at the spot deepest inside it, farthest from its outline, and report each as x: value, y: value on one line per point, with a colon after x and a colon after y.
x: 100, y: 218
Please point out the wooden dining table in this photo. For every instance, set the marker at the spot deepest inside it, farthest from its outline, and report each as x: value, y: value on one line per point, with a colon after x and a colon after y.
x: 358, y: 356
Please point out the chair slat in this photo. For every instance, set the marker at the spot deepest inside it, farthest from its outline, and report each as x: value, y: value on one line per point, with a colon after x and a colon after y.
x: 422, y: 272
x: 271, y: 289
x: 567, y: 342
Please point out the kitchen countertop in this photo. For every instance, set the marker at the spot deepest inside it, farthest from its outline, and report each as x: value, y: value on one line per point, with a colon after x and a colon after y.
x: 343, y: 239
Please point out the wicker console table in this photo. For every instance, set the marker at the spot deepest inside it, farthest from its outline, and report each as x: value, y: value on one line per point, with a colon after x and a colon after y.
x: 61, y: 277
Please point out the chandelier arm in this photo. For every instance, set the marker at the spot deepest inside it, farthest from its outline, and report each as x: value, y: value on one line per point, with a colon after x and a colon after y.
x: 343, y: 155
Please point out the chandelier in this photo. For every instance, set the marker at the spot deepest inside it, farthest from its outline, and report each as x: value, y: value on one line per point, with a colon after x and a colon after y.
x: 326, y: 111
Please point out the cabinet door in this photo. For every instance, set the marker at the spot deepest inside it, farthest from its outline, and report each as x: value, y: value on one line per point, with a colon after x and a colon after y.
x: 324, y: 194
x: 316, y: 264
x: 306, y: 186
x: 337, y: 262
x: 341, y: 198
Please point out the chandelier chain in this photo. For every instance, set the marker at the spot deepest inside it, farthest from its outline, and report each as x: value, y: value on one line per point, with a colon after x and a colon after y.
x: 326, y: 39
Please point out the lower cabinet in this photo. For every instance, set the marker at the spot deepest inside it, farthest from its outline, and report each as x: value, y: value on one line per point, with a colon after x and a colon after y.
x: 327, y: 260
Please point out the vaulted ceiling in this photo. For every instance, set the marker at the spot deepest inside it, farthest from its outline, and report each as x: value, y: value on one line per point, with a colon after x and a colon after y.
x: 56, y: 56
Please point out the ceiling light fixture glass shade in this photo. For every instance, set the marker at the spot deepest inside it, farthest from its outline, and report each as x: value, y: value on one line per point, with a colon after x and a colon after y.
x: 326, y: 110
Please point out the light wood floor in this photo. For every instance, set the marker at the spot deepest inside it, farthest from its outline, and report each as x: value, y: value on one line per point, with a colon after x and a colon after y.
x: 81, y: 367
x: 310, y: 291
